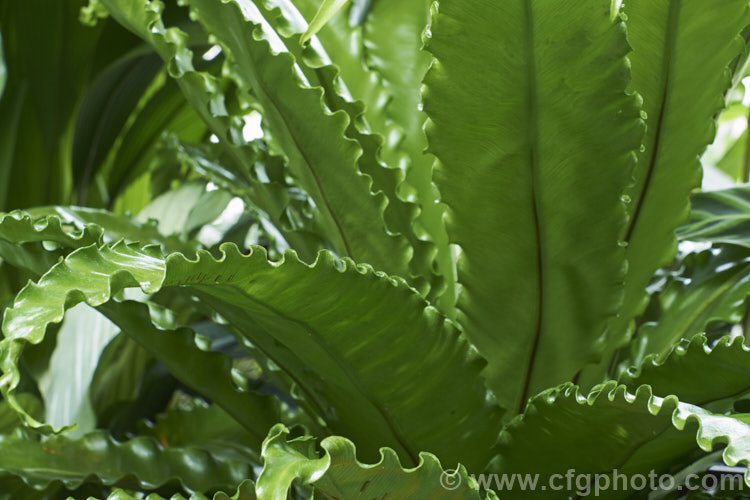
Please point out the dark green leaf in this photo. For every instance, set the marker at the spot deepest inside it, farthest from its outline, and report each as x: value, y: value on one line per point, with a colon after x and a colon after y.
x: 366, y: 386
x: 695, y: 372
x: 719, y: 217
x: 138, y: 463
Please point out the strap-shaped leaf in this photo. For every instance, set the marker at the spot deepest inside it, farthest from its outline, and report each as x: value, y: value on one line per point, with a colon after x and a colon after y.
x: 314, y: 140
x: 108, y: 104
x: 338, y: 474
x: 22, y: 237
x: 399, y: 214
x: 75, y: 227
x: 246, y: 491
x: 209, y: 373
x: 23, y: 234
x: 719, y: 217
x: 208, y: 97
x: 140, y: 463
x: 613, y: 429
x: 696, y: 373
x: 714, y: 288
x: 682, y: 53
x: 392, y: 40
x: 361, y: 375
x: 535, y: 137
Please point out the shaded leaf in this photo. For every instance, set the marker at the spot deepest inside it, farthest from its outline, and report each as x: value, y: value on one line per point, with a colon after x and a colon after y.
x: 365, y: 385
x: 610, y: 430
x: 696, y: 372
x: 108, y: 104
x: 209, y: 373
x: 3, y: 68
x: 719, y: 217
x: 138, y: 463
x: 714, y: 288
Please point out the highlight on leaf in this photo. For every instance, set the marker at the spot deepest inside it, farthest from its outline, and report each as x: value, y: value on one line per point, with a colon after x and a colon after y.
x: 297, y: 249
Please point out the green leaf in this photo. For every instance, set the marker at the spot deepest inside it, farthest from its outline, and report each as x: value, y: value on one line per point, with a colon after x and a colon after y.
x: 392, y: 43
x: 339, y: 474
x: 366, y: 385
x: 167, y: 109
x: 119, y: 378
x: 327, y: 10
x: 535, y: 135
x: 400, y: 213
x: 108, y: 104
x: 714, y: 288
x: 719, y: 217
x: 22, y: 237
x: 246, y: 491
x: 681, y: 54
x: 186, y: 208
x: 139, y: 463
x: 9, y: 420
x: 211, y: 97
x: 11, y: 111
x: 50, y: 59
x: 696, y: 372
x: 203, y: 425
x: 320, y: 155
x: 65, y: 384
x: 610, y: 430
x: 734, y: 160
x: 36, y: 238
x: 209, y: 373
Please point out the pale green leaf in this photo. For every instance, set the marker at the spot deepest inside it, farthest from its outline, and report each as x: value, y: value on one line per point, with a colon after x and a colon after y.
x: 65, y: 385
x: 535, y: 135
x: 327, y: 10
x: 682, y: 53
x: 312, y: 137
x: 338, y: 474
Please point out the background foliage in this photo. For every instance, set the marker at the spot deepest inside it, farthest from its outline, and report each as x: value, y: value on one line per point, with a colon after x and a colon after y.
x: 298, y: 249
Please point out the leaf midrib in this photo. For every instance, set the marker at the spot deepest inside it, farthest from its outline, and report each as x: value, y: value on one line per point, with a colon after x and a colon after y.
x: 533, y: 142
x: 667, y: 68
x: 305, y: 159
x: 398, y: 436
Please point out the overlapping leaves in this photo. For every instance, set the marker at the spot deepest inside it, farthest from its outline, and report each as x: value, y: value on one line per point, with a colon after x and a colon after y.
x: 350, y: 370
